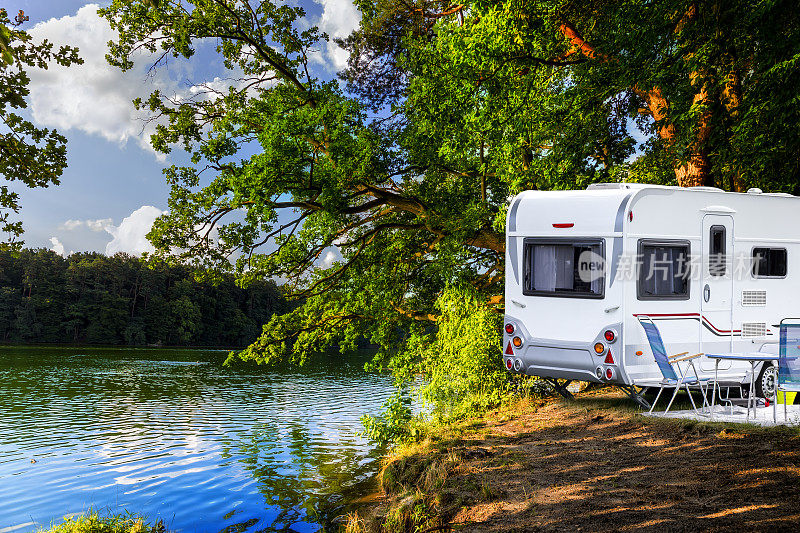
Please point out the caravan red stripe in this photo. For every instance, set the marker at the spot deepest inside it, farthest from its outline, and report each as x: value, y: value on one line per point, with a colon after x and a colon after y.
x: 689, y: 315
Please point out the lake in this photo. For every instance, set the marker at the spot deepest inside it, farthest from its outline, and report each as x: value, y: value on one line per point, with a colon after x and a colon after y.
x: 175, y: 435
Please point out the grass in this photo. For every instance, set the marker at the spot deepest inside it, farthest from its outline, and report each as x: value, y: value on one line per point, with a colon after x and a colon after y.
x: 416, y: 476
x: 533, y: 462
x: 94, y: 522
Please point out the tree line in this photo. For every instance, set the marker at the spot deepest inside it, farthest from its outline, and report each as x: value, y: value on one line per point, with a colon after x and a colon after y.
x: 91, y: 298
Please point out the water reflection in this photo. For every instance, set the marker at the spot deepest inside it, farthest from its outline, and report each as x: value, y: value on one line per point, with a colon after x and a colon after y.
x: 172, y: 433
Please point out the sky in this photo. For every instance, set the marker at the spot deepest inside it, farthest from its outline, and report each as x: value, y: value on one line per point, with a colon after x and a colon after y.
x: 113, y: 187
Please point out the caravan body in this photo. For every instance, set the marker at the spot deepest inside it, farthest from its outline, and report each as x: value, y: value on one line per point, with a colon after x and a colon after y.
x: 716, y: 271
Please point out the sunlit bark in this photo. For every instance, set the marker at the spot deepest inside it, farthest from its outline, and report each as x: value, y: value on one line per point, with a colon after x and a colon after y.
x: 696, y: 170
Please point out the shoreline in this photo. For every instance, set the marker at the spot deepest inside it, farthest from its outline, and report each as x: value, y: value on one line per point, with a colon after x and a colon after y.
x: 594, y: 463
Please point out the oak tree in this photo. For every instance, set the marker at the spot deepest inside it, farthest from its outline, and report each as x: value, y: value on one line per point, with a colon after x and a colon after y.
x: 30, y: 155
x: 447, y: 111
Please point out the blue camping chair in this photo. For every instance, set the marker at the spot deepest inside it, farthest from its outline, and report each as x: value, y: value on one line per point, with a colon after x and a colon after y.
x: 664, y: 362
x: 788, y: 365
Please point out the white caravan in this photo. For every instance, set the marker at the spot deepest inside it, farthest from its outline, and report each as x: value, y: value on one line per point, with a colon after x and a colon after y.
x: 716, y: 271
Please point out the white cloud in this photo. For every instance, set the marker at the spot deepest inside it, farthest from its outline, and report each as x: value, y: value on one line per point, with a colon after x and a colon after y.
x: 339, y: 19
x: 99, y: 224
x: 211, y: 90
x: 331, y: 256
x: 95, y: 225
x: 70, y: 225
x: 58, y: 247
x: 130, y: 235
x: 212, y: 234
x: 94, y: 97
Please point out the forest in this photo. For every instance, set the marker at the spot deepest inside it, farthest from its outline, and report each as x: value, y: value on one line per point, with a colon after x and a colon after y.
x: 92, y: 298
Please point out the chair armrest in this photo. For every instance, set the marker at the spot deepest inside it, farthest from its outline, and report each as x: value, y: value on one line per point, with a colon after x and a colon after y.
x: 672, y: 357
x: 688, y: 357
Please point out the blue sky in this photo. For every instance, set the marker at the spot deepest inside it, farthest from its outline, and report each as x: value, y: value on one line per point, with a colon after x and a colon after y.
x: 113, y: 187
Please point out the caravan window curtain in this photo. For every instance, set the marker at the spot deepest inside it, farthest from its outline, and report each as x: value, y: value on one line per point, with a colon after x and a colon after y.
x: 663, y: 271
x: 563, y: 268
x: 769, y: 262
x: 545, y: 275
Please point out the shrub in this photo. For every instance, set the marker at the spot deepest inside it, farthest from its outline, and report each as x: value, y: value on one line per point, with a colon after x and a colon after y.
x: 454, y: 372
x: 93, y: 522
x: 463, y: 367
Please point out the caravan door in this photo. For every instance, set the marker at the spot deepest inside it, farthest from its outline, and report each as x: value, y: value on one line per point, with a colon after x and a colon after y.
x: 716, y: 298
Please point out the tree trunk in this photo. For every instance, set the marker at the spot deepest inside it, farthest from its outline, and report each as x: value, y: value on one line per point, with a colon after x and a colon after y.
x: 731, y: 99
x: 696, y: 171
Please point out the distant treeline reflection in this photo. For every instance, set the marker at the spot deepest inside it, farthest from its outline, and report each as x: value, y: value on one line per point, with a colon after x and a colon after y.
x: 91, y: 298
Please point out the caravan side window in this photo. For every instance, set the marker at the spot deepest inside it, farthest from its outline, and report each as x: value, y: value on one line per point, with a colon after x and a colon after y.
x: 717, y: 262
x: 769, y: 262
x: 663, y: 270
x: 563, y: 267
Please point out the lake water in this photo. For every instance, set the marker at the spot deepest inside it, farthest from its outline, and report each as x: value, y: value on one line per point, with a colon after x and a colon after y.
x: 173, y: 434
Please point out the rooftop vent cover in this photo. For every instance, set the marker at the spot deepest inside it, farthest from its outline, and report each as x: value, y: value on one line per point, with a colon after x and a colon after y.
x: 754, y: 298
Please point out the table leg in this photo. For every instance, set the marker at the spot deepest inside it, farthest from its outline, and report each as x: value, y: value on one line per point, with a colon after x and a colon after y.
x: 750, y: 392
x: 714, y: 390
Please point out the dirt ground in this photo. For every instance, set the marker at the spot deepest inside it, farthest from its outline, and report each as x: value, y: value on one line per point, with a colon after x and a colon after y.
x: 594, y: 465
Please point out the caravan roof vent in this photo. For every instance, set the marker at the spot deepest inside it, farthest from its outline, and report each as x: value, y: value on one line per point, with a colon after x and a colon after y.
x: 704, y: 188
x: 754, y: 190
x: 595, y: 186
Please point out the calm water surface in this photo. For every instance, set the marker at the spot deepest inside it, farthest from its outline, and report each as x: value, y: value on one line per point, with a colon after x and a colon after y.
x: 173, y: 434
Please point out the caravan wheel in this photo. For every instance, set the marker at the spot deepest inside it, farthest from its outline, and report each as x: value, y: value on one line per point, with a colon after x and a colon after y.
x: 765, y: 385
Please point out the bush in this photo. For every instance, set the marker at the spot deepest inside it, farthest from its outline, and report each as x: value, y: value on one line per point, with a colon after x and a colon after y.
x: 453, y: 373
x: 463, y: 368
x: 93, y: 522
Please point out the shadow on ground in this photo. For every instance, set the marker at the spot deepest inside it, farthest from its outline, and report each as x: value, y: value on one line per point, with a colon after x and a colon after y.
x: 595, y: 465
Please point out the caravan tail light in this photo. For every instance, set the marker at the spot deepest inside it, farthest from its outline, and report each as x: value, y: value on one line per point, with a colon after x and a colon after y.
x: 609, y: 373
x: 599, y: 348
x: 510, y: 329
x: 610, y: 335
x: 516, y: 341
x: 517, y: 365
x: 509, y: 364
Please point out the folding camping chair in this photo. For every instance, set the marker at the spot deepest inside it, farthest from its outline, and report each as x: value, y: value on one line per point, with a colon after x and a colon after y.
x: 788, y: 365
x: 671, y: 379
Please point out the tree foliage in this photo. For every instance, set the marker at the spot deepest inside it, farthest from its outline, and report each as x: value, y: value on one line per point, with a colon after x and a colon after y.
x: 33, y: 156
x: 460, y: 363
x: 449, y: 109
x: 91, y: 298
